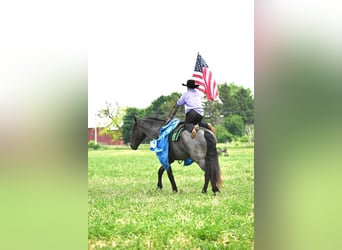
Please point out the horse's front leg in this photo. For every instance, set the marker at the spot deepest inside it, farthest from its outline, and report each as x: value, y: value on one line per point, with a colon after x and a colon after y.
x: 160, y: 175
x: 172, y: 180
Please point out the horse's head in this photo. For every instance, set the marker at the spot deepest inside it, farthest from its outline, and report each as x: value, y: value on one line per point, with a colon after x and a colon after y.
x: 138, y: 134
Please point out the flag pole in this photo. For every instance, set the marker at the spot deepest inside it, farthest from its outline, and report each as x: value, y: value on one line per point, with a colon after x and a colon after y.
x: 172, y: 114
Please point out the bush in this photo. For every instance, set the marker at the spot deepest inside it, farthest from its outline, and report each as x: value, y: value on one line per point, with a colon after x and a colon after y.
x: 93, y: 145
x: 223, y: 135
x: 244, y: 138
x: 234, y: 124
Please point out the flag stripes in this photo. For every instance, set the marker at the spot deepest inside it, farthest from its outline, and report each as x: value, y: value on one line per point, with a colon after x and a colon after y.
x: 204, y: 77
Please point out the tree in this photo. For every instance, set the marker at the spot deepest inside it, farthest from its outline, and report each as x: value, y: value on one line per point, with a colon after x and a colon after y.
x: 114, y: 119
x: 245, y: 105
x: 212, y: 112
x: 162, y: 106
x: 249, y: 130
x: 234, y: 124
x: 229, y: 105
x: 237, y: 101
x: 128, y: 122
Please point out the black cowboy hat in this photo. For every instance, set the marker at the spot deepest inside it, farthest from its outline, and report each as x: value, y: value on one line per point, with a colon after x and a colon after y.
x: 191, y: 84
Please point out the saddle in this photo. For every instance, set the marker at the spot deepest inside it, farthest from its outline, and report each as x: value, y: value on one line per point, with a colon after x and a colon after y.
x: 176, y: 133
x: 174, y: 137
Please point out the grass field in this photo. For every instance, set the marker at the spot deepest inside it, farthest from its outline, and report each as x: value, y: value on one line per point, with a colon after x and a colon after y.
x: 127, y: 212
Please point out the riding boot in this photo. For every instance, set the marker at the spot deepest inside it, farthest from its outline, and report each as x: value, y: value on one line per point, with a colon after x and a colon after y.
x: 194, y: 131
x: 212, y: 128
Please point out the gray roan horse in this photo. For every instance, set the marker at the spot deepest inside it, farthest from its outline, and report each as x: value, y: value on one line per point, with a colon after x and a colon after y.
x: 202, y: 149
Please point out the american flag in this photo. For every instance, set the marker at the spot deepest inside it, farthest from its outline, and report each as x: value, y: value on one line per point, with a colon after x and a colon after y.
x: 204, y: 77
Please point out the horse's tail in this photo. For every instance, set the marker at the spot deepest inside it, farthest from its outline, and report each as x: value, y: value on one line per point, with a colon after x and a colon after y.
x: 211, y: 160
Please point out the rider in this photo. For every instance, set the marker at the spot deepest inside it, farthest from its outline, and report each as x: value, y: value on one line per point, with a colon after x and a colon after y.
x: 193, y: 109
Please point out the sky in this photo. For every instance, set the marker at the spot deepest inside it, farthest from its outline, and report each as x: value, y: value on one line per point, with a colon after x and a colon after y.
x: 140, y: 50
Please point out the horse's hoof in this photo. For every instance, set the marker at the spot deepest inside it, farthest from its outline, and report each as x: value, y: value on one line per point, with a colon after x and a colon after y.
x: 204, y: 192
x: 159, y: 188
x: 217, y: 192
x: 174, y: 191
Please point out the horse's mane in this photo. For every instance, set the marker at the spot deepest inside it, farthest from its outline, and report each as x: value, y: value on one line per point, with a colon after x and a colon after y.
x: 155, y: 118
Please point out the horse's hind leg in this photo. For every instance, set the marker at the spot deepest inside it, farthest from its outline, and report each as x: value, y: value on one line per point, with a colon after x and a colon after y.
x: 206, y: 183
x: 214, y: 187
x: 172, y: 180
x: 160, y: 175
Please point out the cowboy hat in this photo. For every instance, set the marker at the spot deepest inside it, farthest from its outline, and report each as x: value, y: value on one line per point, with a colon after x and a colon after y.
x: 191, y: 84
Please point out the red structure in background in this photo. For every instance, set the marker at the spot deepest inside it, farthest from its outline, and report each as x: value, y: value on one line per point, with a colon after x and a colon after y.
x: 102, y: 139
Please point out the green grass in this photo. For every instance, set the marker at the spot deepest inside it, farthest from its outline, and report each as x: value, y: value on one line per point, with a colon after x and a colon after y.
x: 127, y: 212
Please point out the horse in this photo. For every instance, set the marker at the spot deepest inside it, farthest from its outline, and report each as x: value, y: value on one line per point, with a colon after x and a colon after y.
x: 201, y: 149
